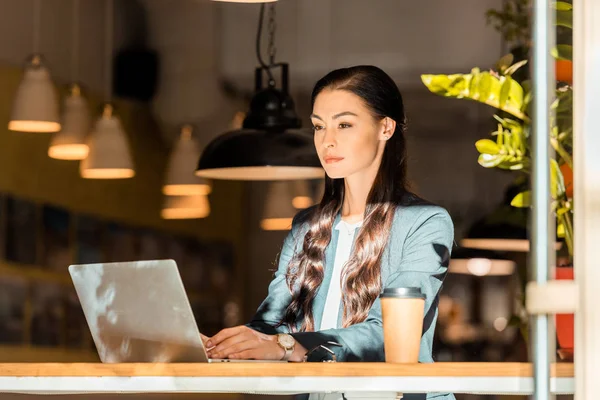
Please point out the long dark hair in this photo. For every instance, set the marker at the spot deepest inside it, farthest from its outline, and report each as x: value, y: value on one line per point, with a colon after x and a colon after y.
x: 362, y: 273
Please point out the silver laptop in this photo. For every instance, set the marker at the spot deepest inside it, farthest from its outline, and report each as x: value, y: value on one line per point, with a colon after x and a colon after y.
x: 139, y: 312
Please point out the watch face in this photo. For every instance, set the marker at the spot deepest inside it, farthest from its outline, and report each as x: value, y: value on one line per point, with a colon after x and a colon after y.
x: 286, y: 340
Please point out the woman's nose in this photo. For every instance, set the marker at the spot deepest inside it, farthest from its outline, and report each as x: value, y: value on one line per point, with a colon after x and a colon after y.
x: 329, y: 140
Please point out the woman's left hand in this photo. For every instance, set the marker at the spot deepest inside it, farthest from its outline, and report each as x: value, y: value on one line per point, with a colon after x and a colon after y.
x: 241, y: 342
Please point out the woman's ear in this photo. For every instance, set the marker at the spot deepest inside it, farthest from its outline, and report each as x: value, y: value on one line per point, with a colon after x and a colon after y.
x: 389, y: 126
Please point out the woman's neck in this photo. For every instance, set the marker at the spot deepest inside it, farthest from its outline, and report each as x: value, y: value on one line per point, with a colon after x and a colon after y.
x: 356, y: 192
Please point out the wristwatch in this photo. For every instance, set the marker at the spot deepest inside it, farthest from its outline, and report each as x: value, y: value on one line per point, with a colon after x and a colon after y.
x: 287, y: 343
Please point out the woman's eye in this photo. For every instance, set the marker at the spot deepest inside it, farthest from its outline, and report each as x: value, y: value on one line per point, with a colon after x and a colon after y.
x: 344, y: 125
x: 317, y: 127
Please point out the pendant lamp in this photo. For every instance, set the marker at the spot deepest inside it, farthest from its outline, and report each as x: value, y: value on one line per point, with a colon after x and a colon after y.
x: 480, y: 263
x: 320, y: 191
x: 279, y: 211
x: 504, y: 229
x: 270, y: 145
x: 109, y: 156
x: 70, y: 143
x: 185, y: 207
x: 181, y: 179
x: 496, y: 236
x: 302, y: 198
x: 35, y: 106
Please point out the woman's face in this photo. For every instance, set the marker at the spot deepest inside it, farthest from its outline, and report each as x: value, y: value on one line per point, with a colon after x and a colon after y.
x: 347, y: 137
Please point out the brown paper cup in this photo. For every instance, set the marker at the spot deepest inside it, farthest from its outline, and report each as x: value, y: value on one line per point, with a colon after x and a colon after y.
x: 402, y: 310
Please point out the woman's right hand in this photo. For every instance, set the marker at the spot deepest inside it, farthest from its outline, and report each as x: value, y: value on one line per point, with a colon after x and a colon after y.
x: 204, y: 340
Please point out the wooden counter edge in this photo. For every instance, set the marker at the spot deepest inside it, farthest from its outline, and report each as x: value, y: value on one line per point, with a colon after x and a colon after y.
x: 561, y: 370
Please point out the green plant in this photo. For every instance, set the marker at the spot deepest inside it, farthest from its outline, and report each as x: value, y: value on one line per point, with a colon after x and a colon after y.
x: 509, y: 147
x: 512, y: 21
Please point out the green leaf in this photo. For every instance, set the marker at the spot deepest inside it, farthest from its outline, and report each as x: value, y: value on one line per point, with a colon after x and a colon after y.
x: 484, y: 87
x: 557, y: 183
x: 490, y: 160
x: 504, y: 92
x: 516, y: 167
x: 510, y: 123
x: 564, y: 18
x: 504, y: 62
x: 527, y: 100
x: 560, y: 230
x: 446, y: 85
x: 522, y: 200
x: 515, y: 95
x: 513, y: 68
x: 474, y: 88
x: 517, y: 144
x: 564, y: 101
x: 563, y: 52
x: 500, y: 135
x: 487, y: 146
x: 436, y: 83
x: 562, y: 6
x: 562, y: 210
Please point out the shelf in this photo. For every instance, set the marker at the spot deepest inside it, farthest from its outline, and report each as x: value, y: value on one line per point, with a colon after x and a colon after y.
x: 34, y: 354
x: 34, y: 273
x: 40, y: 274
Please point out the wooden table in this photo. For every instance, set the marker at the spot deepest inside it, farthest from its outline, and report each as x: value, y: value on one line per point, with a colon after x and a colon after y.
x: 356, y: 380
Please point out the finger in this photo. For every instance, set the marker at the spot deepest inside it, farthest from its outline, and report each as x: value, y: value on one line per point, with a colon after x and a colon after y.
x: 250, y: 354
x: 205, y: 340
x: 224, y: 334
x: 235, y: 348
x: 227, y: 343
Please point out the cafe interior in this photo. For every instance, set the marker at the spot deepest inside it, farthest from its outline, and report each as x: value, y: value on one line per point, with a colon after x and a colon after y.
x: 113, y: 111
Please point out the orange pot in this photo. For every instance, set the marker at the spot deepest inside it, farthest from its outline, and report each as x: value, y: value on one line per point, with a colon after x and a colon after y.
x: 564, y: 71
x: 565, y: 323
x: 567, y: 173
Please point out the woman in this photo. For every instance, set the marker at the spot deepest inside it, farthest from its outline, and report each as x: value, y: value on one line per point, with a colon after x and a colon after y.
x: 368, y: 233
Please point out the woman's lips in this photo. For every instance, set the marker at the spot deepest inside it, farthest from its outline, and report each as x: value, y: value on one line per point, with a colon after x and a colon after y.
x: 333, y: 160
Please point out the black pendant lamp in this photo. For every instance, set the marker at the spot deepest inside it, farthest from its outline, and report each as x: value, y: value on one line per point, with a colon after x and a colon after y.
x: 270, y: 145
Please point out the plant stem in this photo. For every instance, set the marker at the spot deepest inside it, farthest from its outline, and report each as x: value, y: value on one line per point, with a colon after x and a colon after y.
x: 569, y: 231
x: 561, y: 151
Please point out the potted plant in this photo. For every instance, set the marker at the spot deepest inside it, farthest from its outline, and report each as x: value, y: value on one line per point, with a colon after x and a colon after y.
x: 508, y: 89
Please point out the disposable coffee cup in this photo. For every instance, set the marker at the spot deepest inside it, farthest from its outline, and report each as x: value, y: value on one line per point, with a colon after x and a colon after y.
x: 402, y: 310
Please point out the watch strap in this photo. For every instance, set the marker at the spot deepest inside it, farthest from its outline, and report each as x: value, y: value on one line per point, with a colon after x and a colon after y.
x: 288, y: 354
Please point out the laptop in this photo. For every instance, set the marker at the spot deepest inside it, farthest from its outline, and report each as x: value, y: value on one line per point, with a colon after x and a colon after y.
x: 139, y: 312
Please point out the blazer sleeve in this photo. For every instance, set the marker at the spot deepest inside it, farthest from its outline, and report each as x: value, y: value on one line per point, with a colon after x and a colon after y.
x: 272, y: 310
x: 423, y: 263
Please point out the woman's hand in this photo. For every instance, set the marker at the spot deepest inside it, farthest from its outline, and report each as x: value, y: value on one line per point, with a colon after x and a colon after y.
x: 205, y: 340
x: 241, y: 342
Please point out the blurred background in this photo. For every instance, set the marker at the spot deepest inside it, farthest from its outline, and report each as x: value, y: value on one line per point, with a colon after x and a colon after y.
x: 180, y: 73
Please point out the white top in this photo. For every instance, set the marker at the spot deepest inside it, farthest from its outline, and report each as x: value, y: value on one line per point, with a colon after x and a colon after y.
x: 347, y: 233
x: 334, y: 294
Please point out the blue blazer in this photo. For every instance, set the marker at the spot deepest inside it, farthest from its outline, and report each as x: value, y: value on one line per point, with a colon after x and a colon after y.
x: 417, y: 255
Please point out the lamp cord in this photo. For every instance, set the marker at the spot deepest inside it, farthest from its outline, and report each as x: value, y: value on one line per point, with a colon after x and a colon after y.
x: 271, y: 42
x: 108, y: 43
x: 272, y: 50
x: 37, y: 17
x: 75, y: 44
